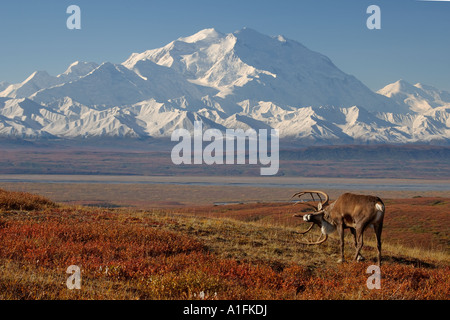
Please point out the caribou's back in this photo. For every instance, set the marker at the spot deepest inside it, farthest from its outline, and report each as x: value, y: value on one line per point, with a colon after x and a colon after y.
x: 353, y: 208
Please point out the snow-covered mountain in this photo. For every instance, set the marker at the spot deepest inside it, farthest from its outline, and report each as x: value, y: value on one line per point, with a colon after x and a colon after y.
x: 3, y: 85
x: 249, y: 65
x: 420, y: 98
x: 239, y: 80
x: 42, y: 80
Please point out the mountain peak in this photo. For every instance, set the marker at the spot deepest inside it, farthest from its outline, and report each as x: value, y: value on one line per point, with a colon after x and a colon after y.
x: 36, y: 81
x: 78, y: 69
x: 247, y: 64
x: 281, y: 38
x: 205, y: 34
x: 396, y: 87
x: 73, y: 64
x: 419, y: 97
x: 248, y: 31
x: 3, y: 85
x: 251, y: 35
x: 37, y: 74
x: 403, y: 84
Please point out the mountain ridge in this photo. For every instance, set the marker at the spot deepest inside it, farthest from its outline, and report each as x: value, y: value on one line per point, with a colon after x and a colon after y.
x: 243, y: 79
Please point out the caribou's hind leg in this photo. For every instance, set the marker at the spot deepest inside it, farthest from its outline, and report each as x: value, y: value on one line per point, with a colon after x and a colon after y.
x: 378, y: 228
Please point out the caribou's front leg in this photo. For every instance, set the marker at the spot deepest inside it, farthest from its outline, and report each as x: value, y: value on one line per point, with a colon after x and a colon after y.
x: 340, y: 230
x: 360, y: 257
x: 360, y: 241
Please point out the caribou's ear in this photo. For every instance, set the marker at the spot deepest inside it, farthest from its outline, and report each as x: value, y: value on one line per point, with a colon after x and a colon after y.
x: 319, y: 206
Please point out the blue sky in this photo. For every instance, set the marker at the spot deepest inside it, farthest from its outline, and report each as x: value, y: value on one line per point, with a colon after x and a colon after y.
x: 413, y: 43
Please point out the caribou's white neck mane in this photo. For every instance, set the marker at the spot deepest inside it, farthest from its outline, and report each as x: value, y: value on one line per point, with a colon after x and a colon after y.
x: 327, y: 228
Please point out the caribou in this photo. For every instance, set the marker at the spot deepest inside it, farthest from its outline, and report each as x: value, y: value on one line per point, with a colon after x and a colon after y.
x: 353, y: 211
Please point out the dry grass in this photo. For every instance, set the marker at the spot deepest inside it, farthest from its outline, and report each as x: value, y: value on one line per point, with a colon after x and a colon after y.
x: 230, y: 252
x: 23, y: 201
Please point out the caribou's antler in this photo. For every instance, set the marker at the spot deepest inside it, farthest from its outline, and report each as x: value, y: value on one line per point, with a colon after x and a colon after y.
x: 317, y: 242
x: 311, y: 193
x: 309, y: 229
x: 319, y: 209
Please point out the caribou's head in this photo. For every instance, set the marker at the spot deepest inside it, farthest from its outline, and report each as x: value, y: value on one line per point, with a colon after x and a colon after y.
x: 317, y: 217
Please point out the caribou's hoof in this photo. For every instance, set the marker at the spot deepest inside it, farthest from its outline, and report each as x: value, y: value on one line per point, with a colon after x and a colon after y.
x: 360, y: 258
x: 340, y: 261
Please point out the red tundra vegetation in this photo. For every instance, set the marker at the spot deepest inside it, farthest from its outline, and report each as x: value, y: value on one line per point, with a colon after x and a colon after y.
x: 222, y: 252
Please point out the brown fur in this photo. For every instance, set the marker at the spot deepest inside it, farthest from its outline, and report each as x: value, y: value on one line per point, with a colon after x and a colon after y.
x: 355, y: 212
